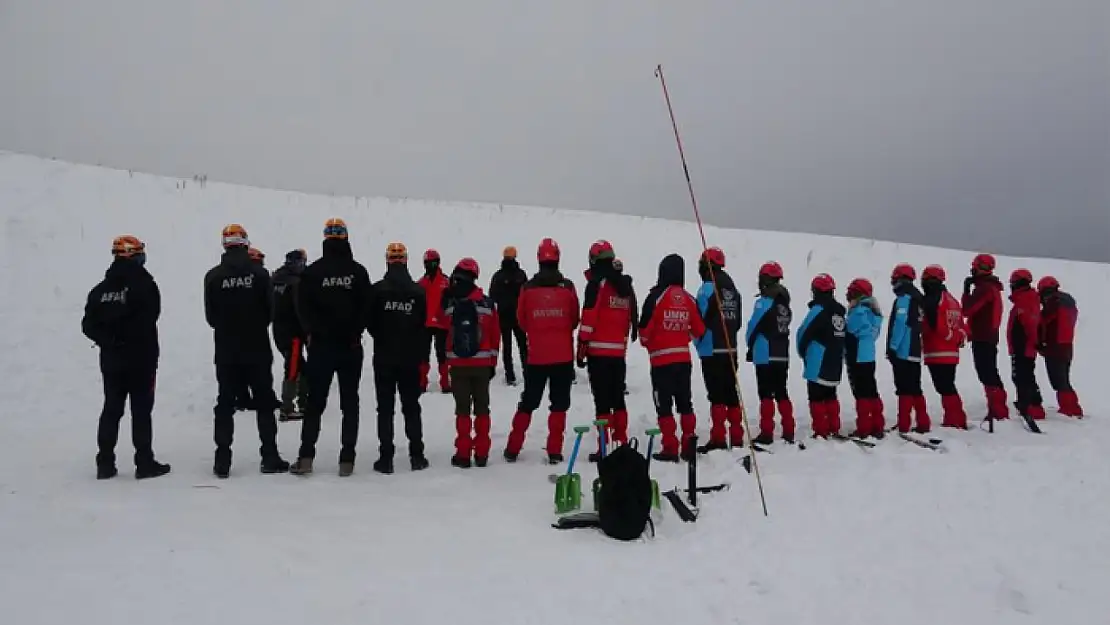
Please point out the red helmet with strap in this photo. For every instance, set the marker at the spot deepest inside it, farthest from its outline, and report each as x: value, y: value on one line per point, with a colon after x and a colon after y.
x: 771, y: 270
x: 823, y: 283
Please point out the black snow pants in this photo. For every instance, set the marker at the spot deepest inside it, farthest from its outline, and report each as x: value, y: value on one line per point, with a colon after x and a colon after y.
x: 607, y: 377
x: 391, y: 380
x: 985, y: 356
x: 123, y: 381
x: 944, y: 379
x: 1023, y: 372
x: 510, y: 329
x: 671, y: 389
x: 861, y: 376
x: 231, y: 380
x: 720, y: 383
x: 327, y: 360
x: 770, y: 380
x: 1059, y: 373
x: 907, y: 377
x: 536, y: 379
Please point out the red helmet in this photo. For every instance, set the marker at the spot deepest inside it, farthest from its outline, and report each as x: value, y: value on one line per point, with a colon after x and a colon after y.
x: 599, y: 250
x: 903, y: 271
x: 860, y: 287
x: 430, y: 255
x: 548, y: 251
x: 771, y: 270
x: 1046, y: 283
x: 983, y: 263
x: 714, y: 255
x: 468, y: 265
x: 934, y: 272
x: 823, y: 283
x: 1021, y: 277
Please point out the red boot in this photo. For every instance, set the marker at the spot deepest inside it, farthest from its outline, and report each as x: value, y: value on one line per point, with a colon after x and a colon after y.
x: 718, y: 415
x: 556, y: 427
x: 668, y: 431
x: 482, y: 442
x: 924, y: 423
x: 863, y: 418
x: 832, y: 412
x: 1069, y: 404
x: 766, y: 421
x: 444, y: 379
x: 878, y: 422
x: 618, y: 425
x: 997, y: 408
x: 736, y: 426
x: 819, y: 419
x: 954, y: 415
x: 786, y: 409
x: 424, y: 369
x: 463, y: 443
x: 1036, y: 411
x: 521, y: 421
x: 905, y: 413
x: 689, y: 428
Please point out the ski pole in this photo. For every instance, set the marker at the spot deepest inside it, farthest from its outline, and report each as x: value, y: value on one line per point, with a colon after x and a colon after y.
x: 692, y: 472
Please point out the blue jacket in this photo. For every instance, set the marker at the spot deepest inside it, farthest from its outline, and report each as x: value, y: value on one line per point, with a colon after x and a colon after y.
x: 729, y: 311
x: 768, y: 333
x: 821, y: 341
x: 903, y: 337
x: 865, y: 322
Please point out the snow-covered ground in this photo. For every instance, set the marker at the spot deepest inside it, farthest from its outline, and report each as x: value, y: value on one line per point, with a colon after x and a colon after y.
x: 1009, y: 528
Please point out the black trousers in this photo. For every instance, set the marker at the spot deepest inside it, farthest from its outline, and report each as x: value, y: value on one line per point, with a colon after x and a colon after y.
x: 1023, y: 372
x: 720, y: 383
x: 819, y: 392
x: 670, y: 386
x: 290, y: 355
x: 437, y: 338
x: 607, y: 377
x: 907, y: 377
x: 511, y: 329
x: 231, y: 380
x: 985, y: 356
x: 121, y: 383
x: 391, y: 380
x: 325, y: 361
x: 861, y: 377
x: 1059, y: 374
x: 537, y: 377
x: 770, y: 380
x: 944, y: 378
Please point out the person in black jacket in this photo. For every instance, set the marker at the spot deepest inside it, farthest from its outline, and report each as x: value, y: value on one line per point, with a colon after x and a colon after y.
x: 121, y: 318
x: 768, y: 343
x: 504, y: 289
x: 289, y: 338
x: 821, y: 347
x: 397, y: 315
x: 719, y: 307
x: 333, y: 303
x: 237, y: 306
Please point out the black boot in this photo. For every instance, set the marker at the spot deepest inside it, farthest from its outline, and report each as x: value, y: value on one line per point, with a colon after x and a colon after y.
x: 150, y: 469
x: 418, y: 463
x: 461, y: 463
x: 221, y: 465
x: 665, y: 457
x: 106, y: 466
x: 273, y: 463
x: 480, y: 461
x: 384, y: 465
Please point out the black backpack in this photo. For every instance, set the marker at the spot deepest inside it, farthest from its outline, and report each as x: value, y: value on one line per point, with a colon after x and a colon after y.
x: 624, y: 501
x: 466, y: 336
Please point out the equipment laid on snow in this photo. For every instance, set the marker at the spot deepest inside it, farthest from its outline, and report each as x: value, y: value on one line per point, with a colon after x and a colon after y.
x: 568, y: 487
x: 623, y: 496
x: 600, y: 423
x: 655, y: 502
x: 934, y: 444
x: 689, y: 513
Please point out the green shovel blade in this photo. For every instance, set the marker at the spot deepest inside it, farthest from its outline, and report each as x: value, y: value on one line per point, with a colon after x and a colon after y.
x: 568, y: 493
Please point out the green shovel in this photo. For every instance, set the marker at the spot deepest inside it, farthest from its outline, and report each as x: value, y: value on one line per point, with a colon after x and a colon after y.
x: 568, y: 486
x: 600, y: 423
x: 652, y: 433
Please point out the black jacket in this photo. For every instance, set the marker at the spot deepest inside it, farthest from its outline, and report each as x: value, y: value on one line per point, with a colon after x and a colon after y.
x: 397, y: 313
x: 825, y: 329
x: 121, y: 316
x: 672, y: 272
x: 333, y: 302
x: 504, y: 289
x: 237, y: 304
x: 287, y: 326
x: 726, y: 315
x: 913, y: 318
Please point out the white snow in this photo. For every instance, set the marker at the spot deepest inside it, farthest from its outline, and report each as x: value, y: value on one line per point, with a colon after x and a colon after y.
x: 1008, y: 528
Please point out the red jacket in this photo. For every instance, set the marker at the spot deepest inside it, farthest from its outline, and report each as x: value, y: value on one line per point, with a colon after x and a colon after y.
x: 548, y: 313
x: 941, y: 343
x: 667, y: 325
x: 433, y: 293
x: 1057, y: 328
x: 607, y: 317
x: 489, y: 330
x: 1024, y: 323
x: 983, y: 309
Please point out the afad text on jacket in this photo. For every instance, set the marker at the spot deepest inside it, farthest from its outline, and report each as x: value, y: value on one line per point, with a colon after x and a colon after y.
x: 397, y: 318
x: 334, y: 296
x: 121, y: 316
x: 238, y: 302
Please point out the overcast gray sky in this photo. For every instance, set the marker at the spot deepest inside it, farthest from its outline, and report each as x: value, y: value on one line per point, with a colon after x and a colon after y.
x: 981, y: 124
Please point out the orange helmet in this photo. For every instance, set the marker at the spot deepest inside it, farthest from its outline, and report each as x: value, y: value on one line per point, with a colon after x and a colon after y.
x: 396, y: 253
x: 335, y: 228
x: 126, y: 246
x: 256, y: 255
x: 509, y: 252
x: 235, y: 235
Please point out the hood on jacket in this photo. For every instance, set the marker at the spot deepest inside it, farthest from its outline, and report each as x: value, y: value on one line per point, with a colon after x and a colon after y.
x: 397, y: 273
x: 548, y: 275
x: 933, y: 287
x: 123, y: 268
x: 823, y: 299
x: 869, y: 302
x: 672, y: 271
x: 510, y: 264
x: 461, y: 285
x: 237, y: 257
x: 906, y: 287
x: 337, y: 249
x: 774, y: 291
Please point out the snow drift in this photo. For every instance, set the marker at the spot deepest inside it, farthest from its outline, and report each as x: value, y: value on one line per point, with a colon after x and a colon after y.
x: 1004, y: 528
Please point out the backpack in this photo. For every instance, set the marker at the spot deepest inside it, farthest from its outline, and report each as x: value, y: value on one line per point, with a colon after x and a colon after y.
x: 466, y: 335
x: 624, y: 501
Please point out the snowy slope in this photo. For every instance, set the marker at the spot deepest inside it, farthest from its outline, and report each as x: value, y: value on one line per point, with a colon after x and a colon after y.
x: 1007, y: 528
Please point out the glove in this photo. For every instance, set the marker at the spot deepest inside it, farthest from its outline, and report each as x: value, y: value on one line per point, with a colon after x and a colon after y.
x: 581, y: 358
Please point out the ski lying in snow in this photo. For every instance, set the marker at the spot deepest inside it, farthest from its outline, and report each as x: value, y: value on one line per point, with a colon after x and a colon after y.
x: 934, y: 444
x: 853, y: 439
x: 684, y: 512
